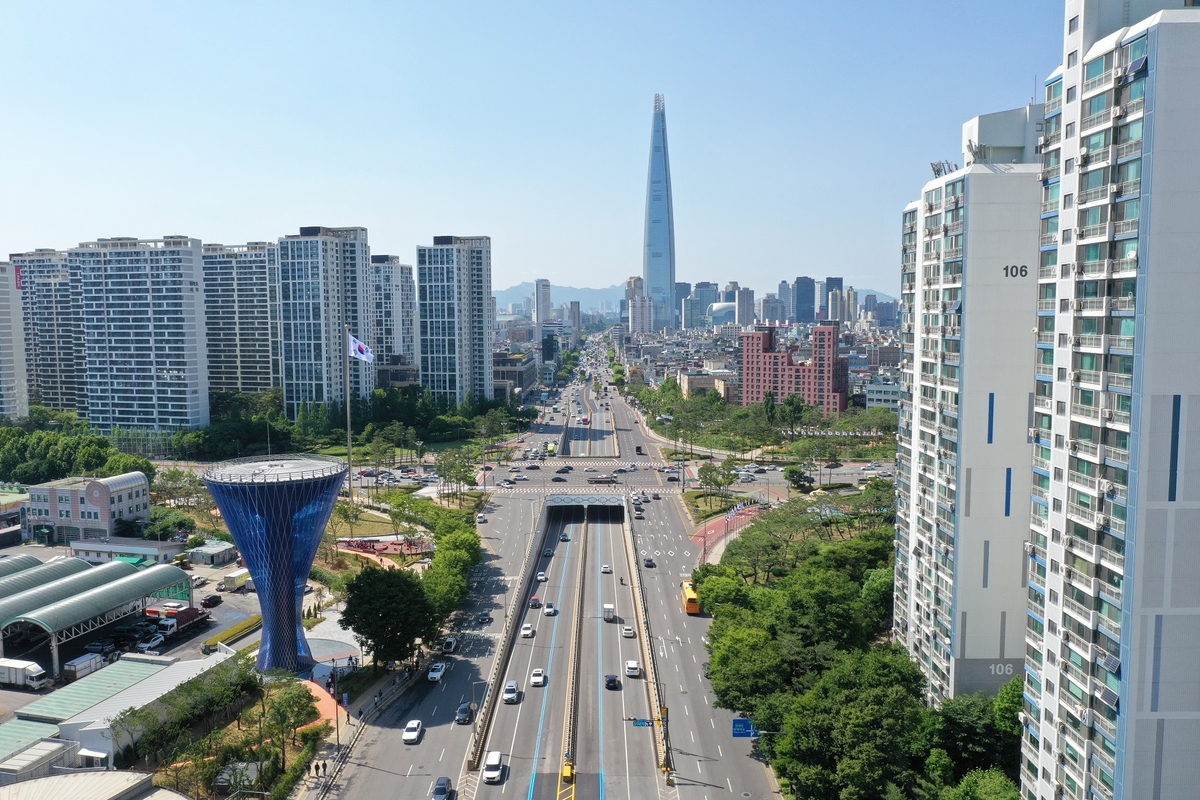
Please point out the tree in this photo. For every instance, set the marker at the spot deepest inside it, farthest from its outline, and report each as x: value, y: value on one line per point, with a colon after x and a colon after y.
x: 120, y: 463
x: 348, y: 513
x: 991, y: 784
x: 969, y: 732
x: 387, y: 609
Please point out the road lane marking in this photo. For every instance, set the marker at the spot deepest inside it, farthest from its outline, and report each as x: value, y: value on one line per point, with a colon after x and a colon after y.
x: 729, y: 784
x: 443, y: 755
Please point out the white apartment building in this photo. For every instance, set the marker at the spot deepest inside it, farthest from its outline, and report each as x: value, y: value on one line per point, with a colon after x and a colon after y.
x: 968, y: 283
x: 1113, y: 627
x: 406, y: 302
x: 641, y: 315
x: 52, y: 307
x: 144, y: 338
x: 14, y: 376
x: 541, y: 307
x: 745, y: 307
x: 242, y: 316
x: 324, y: 285
x: 454, y: 289
x: 394, y: 309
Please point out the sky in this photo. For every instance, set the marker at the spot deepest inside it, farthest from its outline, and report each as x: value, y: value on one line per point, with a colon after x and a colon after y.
x: 797, y: 131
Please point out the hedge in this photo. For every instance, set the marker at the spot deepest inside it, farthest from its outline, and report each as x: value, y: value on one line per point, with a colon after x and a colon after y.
x: 235, y: 632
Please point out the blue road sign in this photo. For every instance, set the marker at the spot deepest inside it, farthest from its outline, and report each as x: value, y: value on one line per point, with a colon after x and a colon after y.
x: 744, y: 729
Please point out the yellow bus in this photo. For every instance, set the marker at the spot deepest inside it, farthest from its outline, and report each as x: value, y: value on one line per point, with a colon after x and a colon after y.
x: 691, y: 603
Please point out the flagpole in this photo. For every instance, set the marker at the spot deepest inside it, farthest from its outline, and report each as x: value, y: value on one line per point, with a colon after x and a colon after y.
x: 349, y: 432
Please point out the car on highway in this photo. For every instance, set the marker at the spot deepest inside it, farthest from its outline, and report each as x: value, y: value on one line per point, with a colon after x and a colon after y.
x: 672, y: 479
x: 562, y: 537
x: 534, y: 602
x: 436, y: 671
x: 210, y: 600
x: 480, y: 518
x: 864, y: 480
x: 449, y: 643
x: 493, y: 766
x: 542, y: 578
x: 526, y: 631
x: 549, y: 610
x: 648, y: 562
x: 833, y: 465
x: 605, y: 569
x: 612, y: 682
x: 620, y: 471
x: 506, y: 484
x: 153, y: 643
x: 483, y: 617
x: 562, y: 471
x: 511, y: 693
x: 885, y: 474
x: 558, y: 479
x: 638, y: 514
x: 632, y: 669
x: 442, y: 789
x: 412, y: 731
x: 627, y: 631
x: 590, y: 469
x: 514, y: 469
x: 537, y: 677
x: 463, y: 715
x: 549, y: 551
x: 656, y: 496
x: 521, y: 478
x: 533, y: 466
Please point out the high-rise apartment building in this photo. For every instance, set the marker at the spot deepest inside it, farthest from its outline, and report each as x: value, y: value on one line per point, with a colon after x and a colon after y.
x: 641, y: 315
x: 575, y: 318
x: 144, y: 338
x: 804, y: 296
x: 14, y: 376
x: 241, y: 316
x: 835, y: 312
x: 658, y: 260
x: 823, y: 381
x: 406, y: 311
x: 394, y: 310
x: 454, y: 284
x: 325, y: 282
x: 744, y: 315
x: 52, y: 307
x: 960, y: 523
x: 1111, y: 681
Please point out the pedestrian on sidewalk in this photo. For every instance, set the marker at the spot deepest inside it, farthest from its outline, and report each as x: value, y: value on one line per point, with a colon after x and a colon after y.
x: 325, y: 768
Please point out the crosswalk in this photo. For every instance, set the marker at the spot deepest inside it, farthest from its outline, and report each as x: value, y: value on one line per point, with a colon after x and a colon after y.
x: 599, y: 488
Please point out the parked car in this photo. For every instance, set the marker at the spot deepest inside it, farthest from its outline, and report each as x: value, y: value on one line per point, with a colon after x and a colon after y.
x: 101, y: 646
x: 210, y: 601
x: 153, y: 643
x: 412, y: 731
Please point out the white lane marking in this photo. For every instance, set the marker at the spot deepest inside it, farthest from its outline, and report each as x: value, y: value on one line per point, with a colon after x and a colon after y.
x: 693, y: 737
x: 685, y: 711
x: 443, y: 755
x: 720, y: 752
x: 698, y: 766
x: 434, y: 712
x: 729, y: 784
x: 410, y: 766
x: 713, y: 723
x: 705, y: 699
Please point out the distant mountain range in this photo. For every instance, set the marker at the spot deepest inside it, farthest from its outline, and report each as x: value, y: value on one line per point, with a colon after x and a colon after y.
x: 590, y: 299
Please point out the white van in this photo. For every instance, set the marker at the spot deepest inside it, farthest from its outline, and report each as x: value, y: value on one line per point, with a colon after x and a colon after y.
x: 493, y: 767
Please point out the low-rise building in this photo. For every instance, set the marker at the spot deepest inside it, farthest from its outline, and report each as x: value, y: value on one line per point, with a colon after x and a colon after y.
x: 101, y: 551
x: 519, y: 369
x: 72, y: 509
x: 213, y: 553
x: 884, y: 395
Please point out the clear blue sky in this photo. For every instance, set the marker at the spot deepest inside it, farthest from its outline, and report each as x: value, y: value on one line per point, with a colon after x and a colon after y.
x: 797, y: 130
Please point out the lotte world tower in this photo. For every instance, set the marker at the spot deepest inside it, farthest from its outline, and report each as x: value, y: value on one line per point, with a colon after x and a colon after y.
x: 658, y: 259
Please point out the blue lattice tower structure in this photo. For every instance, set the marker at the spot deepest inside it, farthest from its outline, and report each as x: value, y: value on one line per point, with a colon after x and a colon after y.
x: 277, y: 508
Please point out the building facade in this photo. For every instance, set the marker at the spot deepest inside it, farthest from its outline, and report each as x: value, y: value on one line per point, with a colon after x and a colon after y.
x: 658, y: 260
x: 52, y: 307
x: 641, y: 315
x: 454, y: 284
x: 804, y: 295
x: 394, y: 311
x: 823, y: 381
x: 541, y: 306
x: 241, y: 316
x: 745, y: 307
x: 14, y: 374
x: 1111, y: 685
x: 73, y: 509
x: 960, y: 528
x: 324, y: 286
x: 144, y: 336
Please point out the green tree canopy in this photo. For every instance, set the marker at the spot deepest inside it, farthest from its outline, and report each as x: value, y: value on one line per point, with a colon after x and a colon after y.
x: 387, y: 610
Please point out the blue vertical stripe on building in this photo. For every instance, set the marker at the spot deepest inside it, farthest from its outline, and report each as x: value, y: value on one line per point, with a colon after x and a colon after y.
x: 1008, y: 492
x: 1173, y: 479
x: 991, y: 414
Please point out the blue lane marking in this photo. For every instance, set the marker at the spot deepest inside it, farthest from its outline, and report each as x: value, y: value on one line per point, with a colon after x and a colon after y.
x: 537, y: 747
x: 991, y: 414
x: 600, y: 664
x: 1008, y: 492
x: 1173, y: 479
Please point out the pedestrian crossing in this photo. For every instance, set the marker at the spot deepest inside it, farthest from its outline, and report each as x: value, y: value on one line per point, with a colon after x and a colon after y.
x: 599, y: 488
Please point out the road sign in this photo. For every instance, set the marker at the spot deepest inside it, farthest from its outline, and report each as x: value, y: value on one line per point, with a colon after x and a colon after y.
x: 744, y: 729
x: 642, y: 723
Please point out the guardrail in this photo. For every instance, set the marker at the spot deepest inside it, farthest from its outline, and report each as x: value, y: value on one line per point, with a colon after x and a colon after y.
x: 662, y: 749
x: 521, y: 595
x: 570, y: 719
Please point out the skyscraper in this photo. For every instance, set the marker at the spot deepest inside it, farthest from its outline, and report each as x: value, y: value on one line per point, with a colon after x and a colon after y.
x: 454, y: 284
x: 52, y: 307
x: 960, y: 529
x: 394, y: 308
x: 785, y: 297
x: 144, y: 339
x: 241, y: 315
x: 14, y: 381
x: 1112, y: 689
x: 324, y: 285
x: 541, y: 305
x: 658, y: 260
x: 682, y: 291
x: 745, y: 307
x: 804, y: 295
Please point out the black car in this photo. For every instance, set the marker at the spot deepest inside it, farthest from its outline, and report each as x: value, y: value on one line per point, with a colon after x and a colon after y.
x: 211, y: 600
x: 549, y: 551
x: 833, y: 465
x: 534, y: 602
x: 441, y: 789
x: 612, y: 682
x: 463, y: 715
x: 562, y: 537
x: 533, y: 466
x: 561, y: 471
x: 558, y: 479
x: 483, y: 617
x: 648, y: 562
x: 704, y: 666
x: 672, y: 479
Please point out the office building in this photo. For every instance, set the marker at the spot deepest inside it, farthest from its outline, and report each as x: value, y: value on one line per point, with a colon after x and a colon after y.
x: 1112, y: 686
x: 785, y: 297
x: 52, y: 308
x: 658, y: 261
x: 14, y: 375
x: 772, y: 310
x: 641, y: 315
x: 729, y: 295
x: 144, y: 337
x: 804, y: 295
x: 241, y: 316
x: 541, y: 306
x: 707, y: 293
x: 744, y: 298
x: 834, y: 307
x: 768, y: 366
x: 682, y: 291
x: 821, y: 302
x: 850, y: 305
x: 960, y: 525
x: 325, y: 285
x: 693, y: 313
x: 454, y: 284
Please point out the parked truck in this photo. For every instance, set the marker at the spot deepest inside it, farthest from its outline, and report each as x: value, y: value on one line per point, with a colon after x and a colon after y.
x: 84, y: 665
x: 610, y: 612
x: 22, y: 674
x: 184, y: 620
x: 235, y: 580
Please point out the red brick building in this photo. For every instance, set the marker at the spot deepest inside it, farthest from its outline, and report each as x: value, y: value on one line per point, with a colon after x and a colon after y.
x: 823, y: 381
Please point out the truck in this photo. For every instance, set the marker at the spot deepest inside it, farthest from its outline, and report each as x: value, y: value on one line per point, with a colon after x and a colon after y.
x: 184, y: 620
x: 84, y: 665
x: 235, y: 580
x: 610, y: 612
x: 22, y: 674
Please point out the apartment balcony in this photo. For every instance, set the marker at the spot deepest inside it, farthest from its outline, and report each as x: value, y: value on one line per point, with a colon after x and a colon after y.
x: 951, y: 276
x: 1129, y: 187
x: 1043, y: 402
x: 1047, y: 239
x: 1096, y: 120
x: 1047, y: 305
x: 1047, y: 273
x: 1092, y: 195
x: 1103, y: 723
x: 1116, y: 454
x: 1050, y: 206
x: 1089, y: 449
x: 1081, y: 481
x: 1031, y: 664
x: 1120, y: 418
x: 952, y: 252
x: 1081, y: 513
x: 1091, y: 304
x: 1042, y: 464
x: 1045, y: 338
x: 1114, y: 592
x: 932, y: 255
x: 1083, y: 613
x: 1041, y: 434
x: 949, y: 433
x: 1045, y: 370
x: 1124, y: 265
x: 909, y: 227
x: 1079, y: 546
x: 1040, y: 493
x: 1135, y: 106
x: 1052, y: 139
x: 952, y: 358
x: 1040, y: 524
x: 1093, y: 231
x: 1124, y: 226
x: 1087, y: 412
x: 1092, y: 84
x: 1087, y: 340
x: 1129, y: 149
x: 1049, y: 173
x: 952, y: 228
x: 1123, y: 304
x: 1119, y: 381
x: 1052, y: 105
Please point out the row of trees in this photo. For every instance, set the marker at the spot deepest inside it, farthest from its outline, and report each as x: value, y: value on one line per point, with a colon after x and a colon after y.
x: 802, y: 611
x: 388, y: 610
x: 36, y: 456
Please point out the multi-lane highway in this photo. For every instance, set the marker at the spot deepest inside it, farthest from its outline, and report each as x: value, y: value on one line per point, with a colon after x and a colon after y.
x: 596, y: 438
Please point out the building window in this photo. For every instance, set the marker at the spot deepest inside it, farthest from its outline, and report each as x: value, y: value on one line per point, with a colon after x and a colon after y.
x: 1072, y: 93
x: 1072, y: 58
x: 1073, y: 25
x: 1070, y: 129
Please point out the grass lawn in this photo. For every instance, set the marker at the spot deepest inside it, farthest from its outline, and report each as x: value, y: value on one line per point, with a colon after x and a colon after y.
x: 704, y: 505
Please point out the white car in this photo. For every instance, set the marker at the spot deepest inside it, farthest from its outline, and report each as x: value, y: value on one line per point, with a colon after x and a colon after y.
x: 590, y: 469
x: 541, y: 576
x: 153, y: 643
x: 521, y: 478
x: 632, y: 669
x: 449, y: 643
x: 627, y: 631
x: 480, y: 518
x: 526, y: 631
x: 605, y: 569
x: 549, y: 610
x: 412, y: 731
x: 537, y: 677
x: 436, y: 671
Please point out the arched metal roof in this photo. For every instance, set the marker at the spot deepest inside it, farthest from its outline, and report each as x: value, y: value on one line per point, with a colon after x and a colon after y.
x: 40, y: 575
x: 55, y: 590
x: 96, y: 602
x: 17, y: 563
